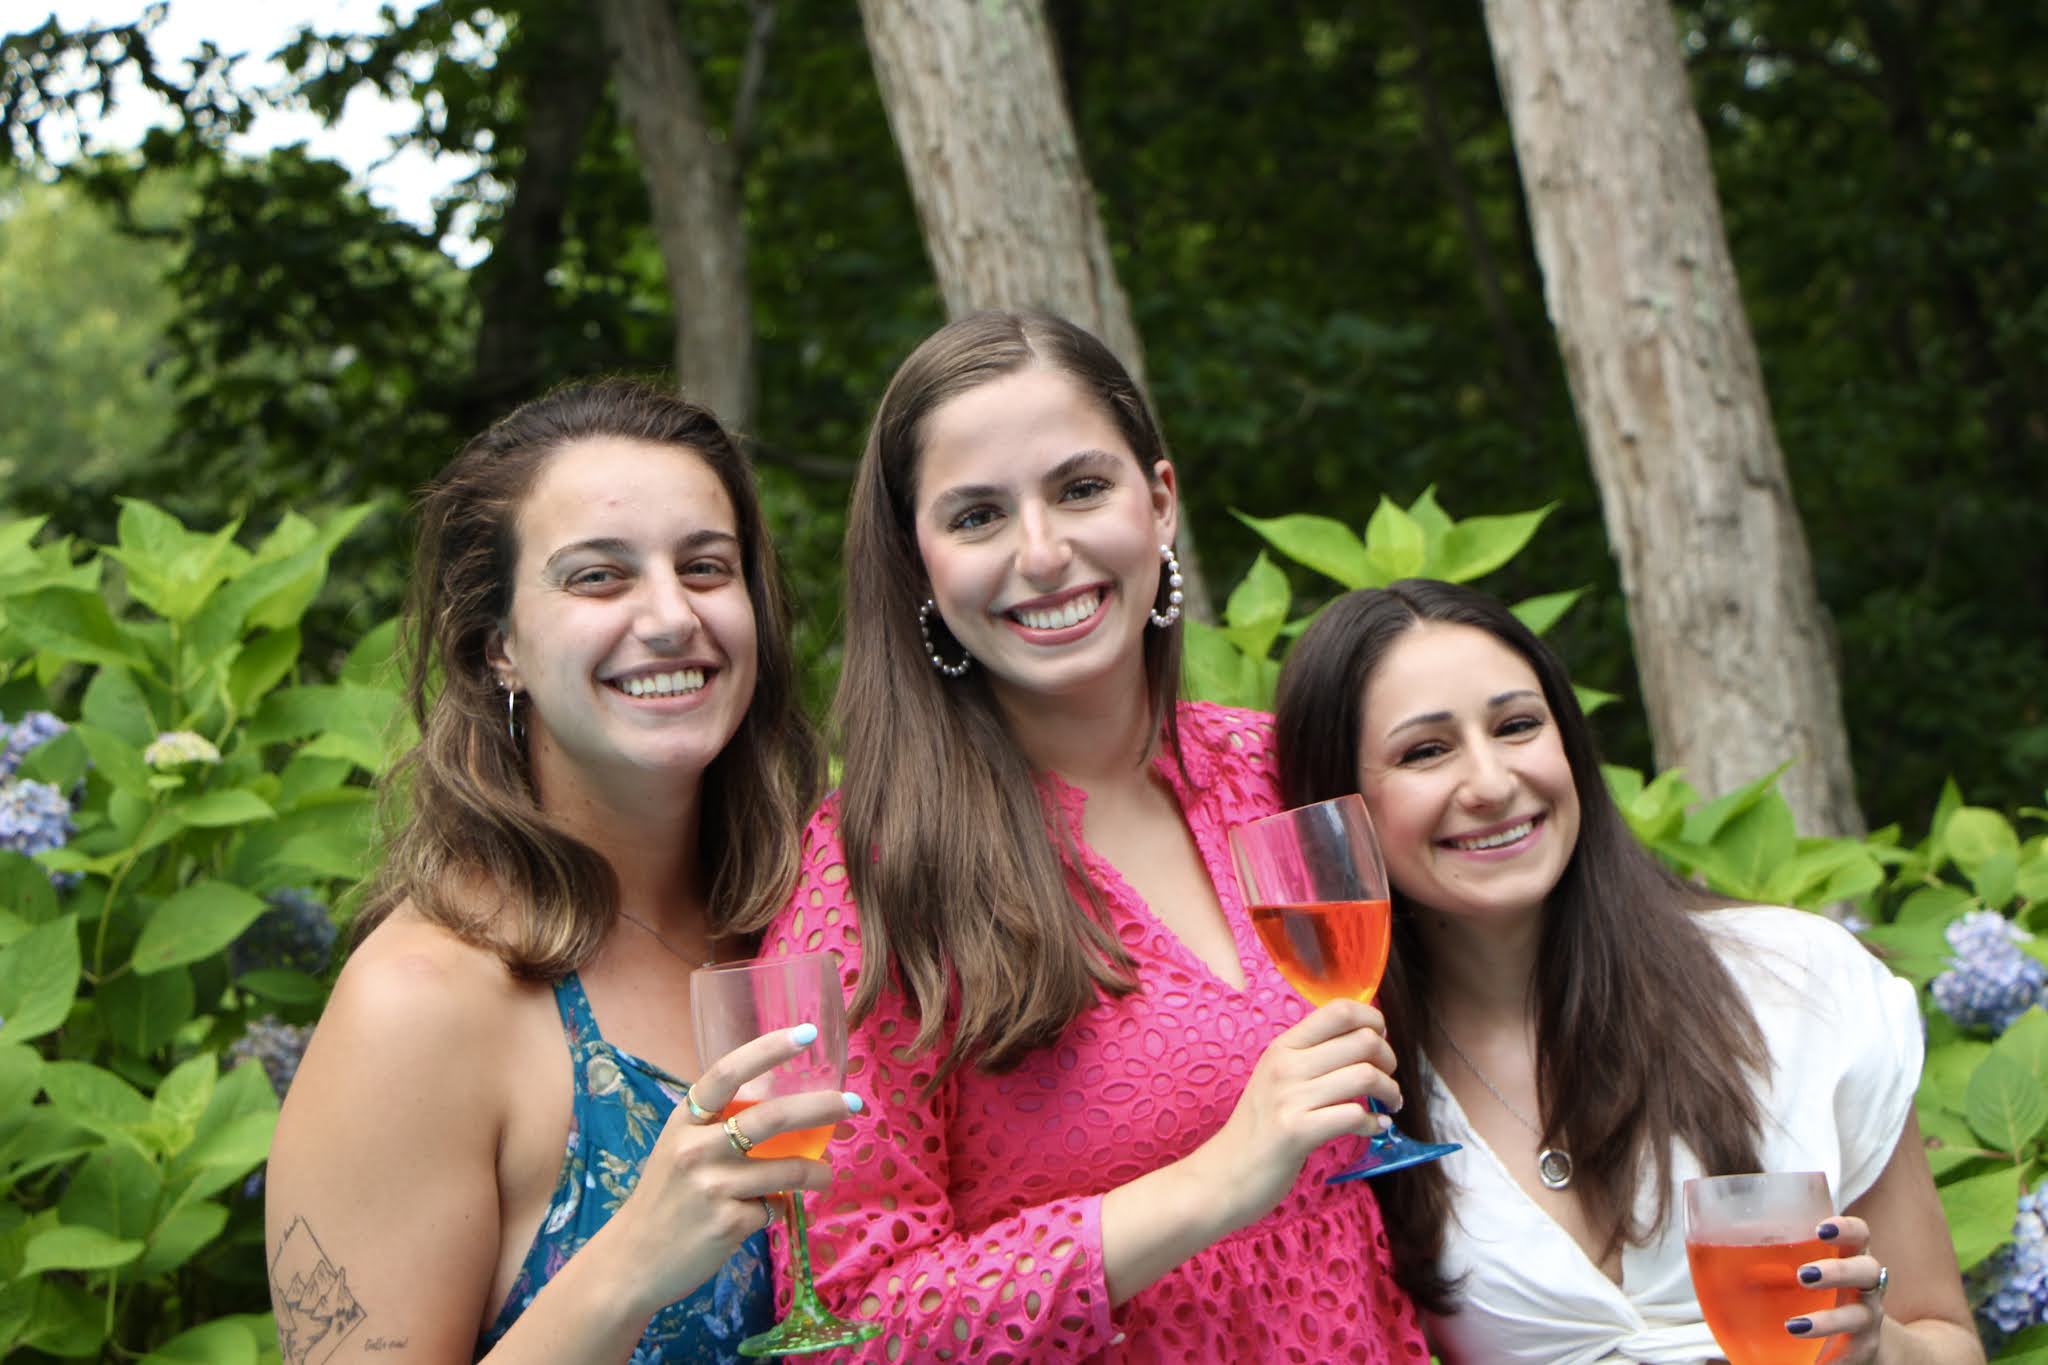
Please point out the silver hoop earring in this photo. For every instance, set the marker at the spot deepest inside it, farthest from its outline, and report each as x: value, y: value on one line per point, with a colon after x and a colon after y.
x: 512, y: 714
x: 1163, y: 619
x: 931, y: 651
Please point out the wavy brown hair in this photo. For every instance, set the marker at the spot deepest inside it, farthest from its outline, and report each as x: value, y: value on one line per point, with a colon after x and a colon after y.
x: 471, y: 815
x: 965, y: 898
x: 1642, y: 1038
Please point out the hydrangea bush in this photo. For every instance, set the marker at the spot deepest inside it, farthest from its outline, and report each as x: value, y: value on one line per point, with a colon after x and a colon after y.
x: 1956, y: 913
x: 178, y: 809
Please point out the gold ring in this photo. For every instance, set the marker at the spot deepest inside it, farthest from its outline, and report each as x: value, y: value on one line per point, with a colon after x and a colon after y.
x: 741, y: 1143
x: 698, y: 1113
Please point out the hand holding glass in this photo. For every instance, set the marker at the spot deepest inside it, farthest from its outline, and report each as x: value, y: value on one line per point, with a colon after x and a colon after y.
x: 1318, y: 896
x: 1746, y: 1237
x: 732, y: 1003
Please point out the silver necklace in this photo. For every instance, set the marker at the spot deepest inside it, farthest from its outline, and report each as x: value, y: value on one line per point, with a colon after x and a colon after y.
x: 674, y: 951
x: 1553, y: 1164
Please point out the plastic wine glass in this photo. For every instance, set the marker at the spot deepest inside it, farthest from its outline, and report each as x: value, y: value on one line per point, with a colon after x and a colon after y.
x: 732, y: 1003
x: 1318, y: 896
x: 1746, y: 1237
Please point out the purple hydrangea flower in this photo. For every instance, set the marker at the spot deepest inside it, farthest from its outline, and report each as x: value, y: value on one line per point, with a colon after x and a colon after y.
x: 1989, y: 982
x: 276, y: 1046
x: 295, y: 932
x: 17, y: 739
x: 34, y: 817
x: 2011, y: 1288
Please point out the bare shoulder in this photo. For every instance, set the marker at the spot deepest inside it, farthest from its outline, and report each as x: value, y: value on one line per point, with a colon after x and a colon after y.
x: 414, y: 979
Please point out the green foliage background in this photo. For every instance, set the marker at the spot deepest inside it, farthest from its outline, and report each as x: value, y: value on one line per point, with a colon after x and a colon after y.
x: 1316, y: 212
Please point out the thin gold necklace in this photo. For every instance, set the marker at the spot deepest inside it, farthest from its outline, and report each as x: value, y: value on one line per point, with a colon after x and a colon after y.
x: 1553, y: 1164
x: 674, y: 951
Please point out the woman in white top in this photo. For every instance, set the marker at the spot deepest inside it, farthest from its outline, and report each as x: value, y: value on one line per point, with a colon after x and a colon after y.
x: 1591, y: 1027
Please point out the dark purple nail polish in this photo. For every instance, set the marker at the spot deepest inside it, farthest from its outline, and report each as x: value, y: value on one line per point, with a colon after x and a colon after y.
x: 1809, y: 1274
x: 1799, y: 1327
x: 1828, y: 1232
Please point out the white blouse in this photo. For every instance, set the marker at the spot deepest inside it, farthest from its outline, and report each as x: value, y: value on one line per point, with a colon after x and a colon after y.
x: 1845, y: 1042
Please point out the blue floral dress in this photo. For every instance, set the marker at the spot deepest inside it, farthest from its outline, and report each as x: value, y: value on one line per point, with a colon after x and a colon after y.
x: 620, y: 1106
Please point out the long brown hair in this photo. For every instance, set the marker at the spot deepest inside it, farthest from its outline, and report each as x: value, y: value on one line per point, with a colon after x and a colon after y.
x: 472, y: 818
x: 965, y: 900
x: 1642, y: 1038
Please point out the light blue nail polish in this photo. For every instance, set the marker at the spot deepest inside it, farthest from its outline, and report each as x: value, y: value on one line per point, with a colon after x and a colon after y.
x: 853, y: 1101
x: 803, y: 1035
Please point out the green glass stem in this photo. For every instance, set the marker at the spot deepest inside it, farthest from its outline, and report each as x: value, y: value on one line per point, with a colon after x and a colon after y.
x: 809, y: 1326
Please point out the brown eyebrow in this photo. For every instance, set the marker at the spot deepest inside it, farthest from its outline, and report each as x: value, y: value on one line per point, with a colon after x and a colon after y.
x: 1493, y: 703
x: 620, y: 549
x: 976, y: 492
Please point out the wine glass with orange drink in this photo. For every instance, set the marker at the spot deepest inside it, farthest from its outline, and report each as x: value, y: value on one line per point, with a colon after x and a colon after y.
x: 1317, y: 889
x: 731, y: 1003
x: 1746, y: 1237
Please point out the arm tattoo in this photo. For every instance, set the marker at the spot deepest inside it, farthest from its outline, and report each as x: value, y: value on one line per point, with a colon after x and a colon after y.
x: 315, y: 1309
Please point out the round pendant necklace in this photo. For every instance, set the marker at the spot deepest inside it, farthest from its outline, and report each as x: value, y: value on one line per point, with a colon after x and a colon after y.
x: 1553, y: 1164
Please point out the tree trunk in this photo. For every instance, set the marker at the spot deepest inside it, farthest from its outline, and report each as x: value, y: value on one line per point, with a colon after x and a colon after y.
x: 693, y: 188
x: 1009, y: 217
x: 513, y: 295
x: 1734, y: 653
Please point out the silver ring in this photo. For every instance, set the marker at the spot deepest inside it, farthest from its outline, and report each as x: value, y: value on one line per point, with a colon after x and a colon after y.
x: 741, y: 1143
x: 768, y: 1205
x: 1884, y: 1277
x: 698, y: 1113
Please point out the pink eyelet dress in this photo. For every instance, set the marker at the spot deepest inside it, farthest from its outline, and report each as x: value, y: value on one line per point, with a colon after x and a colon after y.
x: 967, y: 1221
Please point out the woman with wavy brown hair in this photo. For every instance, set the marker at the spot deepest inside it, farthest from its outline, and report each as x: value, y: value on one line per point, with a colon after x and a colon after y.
x: 1104, y: 1121
x: 487, y: 1152
x: 1593, y: 1029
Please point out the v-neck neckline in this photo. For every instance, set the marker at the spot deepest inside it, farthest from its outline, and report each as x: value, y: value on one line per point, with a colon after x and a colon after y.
x: 1071, y: 802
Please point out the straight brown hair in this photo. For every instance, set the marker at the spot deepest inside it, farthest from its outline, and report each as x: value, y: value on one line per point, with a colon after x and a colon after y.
x: 967, y: 903
x: 1642, y: 1038
x: 462, y: 800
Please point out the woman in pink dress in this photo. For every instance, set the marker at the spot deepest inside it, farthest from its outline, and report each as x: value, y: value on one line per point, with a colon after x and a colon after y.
x: 1101, y: 1120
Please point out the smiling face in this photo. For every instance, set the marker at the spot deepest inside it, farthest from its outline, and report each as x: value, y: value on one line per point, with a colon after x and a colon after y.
x: 1040, y: 535
x: 630, y: 628
x: 1461, y: 763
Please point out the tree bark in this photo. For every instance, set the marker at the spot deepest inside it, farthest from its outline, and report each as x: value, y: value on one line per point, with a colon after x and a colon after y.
x: 513, y: 295
x: 973, y: 95
x: 1734, y: 653
x: 693, y: 189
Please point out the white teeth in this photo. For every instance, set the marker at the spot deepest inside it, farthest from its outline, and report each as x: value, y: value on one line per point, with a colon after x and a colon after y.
x: 1500, y: 840
x: 663, y: 684
x: 1071, y: 613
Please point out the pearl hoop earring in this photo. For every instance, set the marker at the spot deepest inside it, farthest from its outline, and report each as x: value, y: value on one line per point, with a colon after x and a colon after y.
x: 931, y: 651
x: 1163, y: 619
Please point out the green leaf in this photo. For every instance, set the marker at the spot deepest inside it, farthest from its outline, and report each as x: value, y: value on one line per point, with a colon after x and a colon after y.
x: 1258, y: 608
x: 1395, y: 545
x: 172, y: 570
x: 93, y: 1097
x: 2005, y: 1104
x: 1477, y: 546
x: 1539, y: 614
x: 1591, y: 699
x: 1212, y: 668
x: 63, y: 1320
x: 2025, y: 1041
x: 1756, y: 839
x: 1980, y: 1212
x: 236, y: 1146
x: 1320, y: 543
x: 176, y: 1240
x: 261, y: 665
x: 74, y: 1248
x: 375, y: 661
x: 219, y: 809
x: 142, y: 1013
x: 21, y: 1076
x: 283, y: 985
x: 38, y: 979
x: 118, y: 761
x: 114, y: 1190
x: 197, y: 922
x: 1996, y: 878
x: 75, y: 626
x: 182, y: 1098
x: 25, y: 889
x: 1973, y: 834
